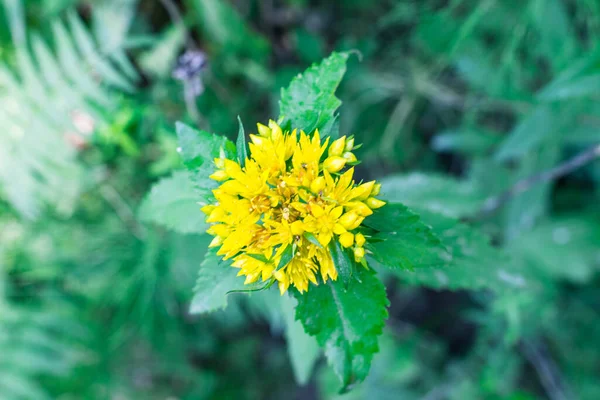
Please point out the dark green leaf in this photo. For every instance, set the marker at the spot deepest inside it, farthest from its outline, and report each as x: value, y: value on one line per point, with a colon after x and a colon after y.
x: 309, y: 102
x: 313, y: 239
x: 286, y: 256
x: 343, y: 264
x: 403, y: 240
x: 346, y: 322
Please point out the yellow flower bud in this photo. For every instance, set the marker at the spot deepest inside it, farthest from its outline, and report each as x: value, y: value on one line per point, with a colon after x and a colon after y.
x: 317, y: 185
x: 376, y: 189
x: 360, y: 240
x: 356, y: 223
x: 216, y: 215
x: 360, y: 208
x: 263, y: 130
x: 348, y: 219
x: 364, y: 190
x: 350, y: 157
x: 346, y: 239
x: 334, y: 164
x: 219, y: 175
x: 337, y: 147
x: 207, y: 209
x: 219, y: 162
x: 257, y: 140
x: 217, y: 241
x: 349, y: 144
x: 359, y: 254
x: 276, y: 132
x: 374, y: 203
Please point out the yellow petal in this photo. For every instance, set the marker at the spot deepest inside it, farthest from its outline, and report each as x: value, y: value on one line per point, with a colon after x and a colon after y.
x: 337, y: 212
x: 338, y: 229
x: 297, y: 227
x: 324, y: 238
x: 317, y: 210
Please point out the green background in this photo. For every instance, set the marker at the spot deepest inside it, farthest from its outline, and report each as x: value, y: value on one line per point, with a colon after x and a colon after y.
x: 454, y: 102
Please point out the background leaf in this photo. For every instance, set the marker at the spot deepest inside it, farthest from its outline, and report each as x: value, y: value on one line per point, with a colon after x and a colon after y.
x: 173, y: 203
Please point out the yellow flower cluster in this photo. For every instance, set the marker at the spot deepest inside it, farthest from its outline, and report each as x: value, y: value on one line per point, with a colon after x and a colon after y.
x: 277, y: 215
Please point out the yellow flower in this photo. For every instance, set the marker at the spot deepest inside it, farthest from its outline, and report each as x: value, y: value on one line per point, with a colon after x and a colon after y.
x: 277, y: 216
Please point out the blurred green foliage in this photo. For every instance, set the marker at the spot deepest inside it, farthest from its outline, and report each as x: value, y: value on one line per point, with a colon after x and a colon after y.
x: 455, y: 101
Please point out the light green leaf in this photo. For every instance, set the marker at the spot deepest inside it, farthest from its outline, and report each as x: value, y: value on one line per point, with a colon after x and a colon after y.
x: 566, y: 247
x: 309, y: 102
x: 173, y: 203
x: 303, y: 349
x: 403, y: 240
x: 585, y: 86
x: 346, y: 322
x: 215, y: 280
x: 470, y: 142
x: 159, y: 60
x: 528, y: 134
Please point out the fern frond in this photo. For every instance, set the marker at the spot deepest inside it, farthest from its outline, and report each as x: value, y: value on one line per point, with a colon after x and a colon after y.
x: 50, y: 103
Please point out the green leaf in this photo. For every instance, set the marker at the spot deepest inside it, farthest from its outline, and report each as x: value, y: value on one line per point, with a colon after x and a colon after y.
x: 313, y: 239
x: 240, y: 144
x: 215, y: 279
x: 346, y: 322
x: 470, y: 142
x: 472, y: 263
x: 566, y: 247
x: 433, y: 192
x: 286, y: 256
x: 198, y: 149
x: 403, y: 241
x: 343, y: 264
x: 528, y: 134
x: 173, y: 203
x: 309, y: 102
x: 303, y: 349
